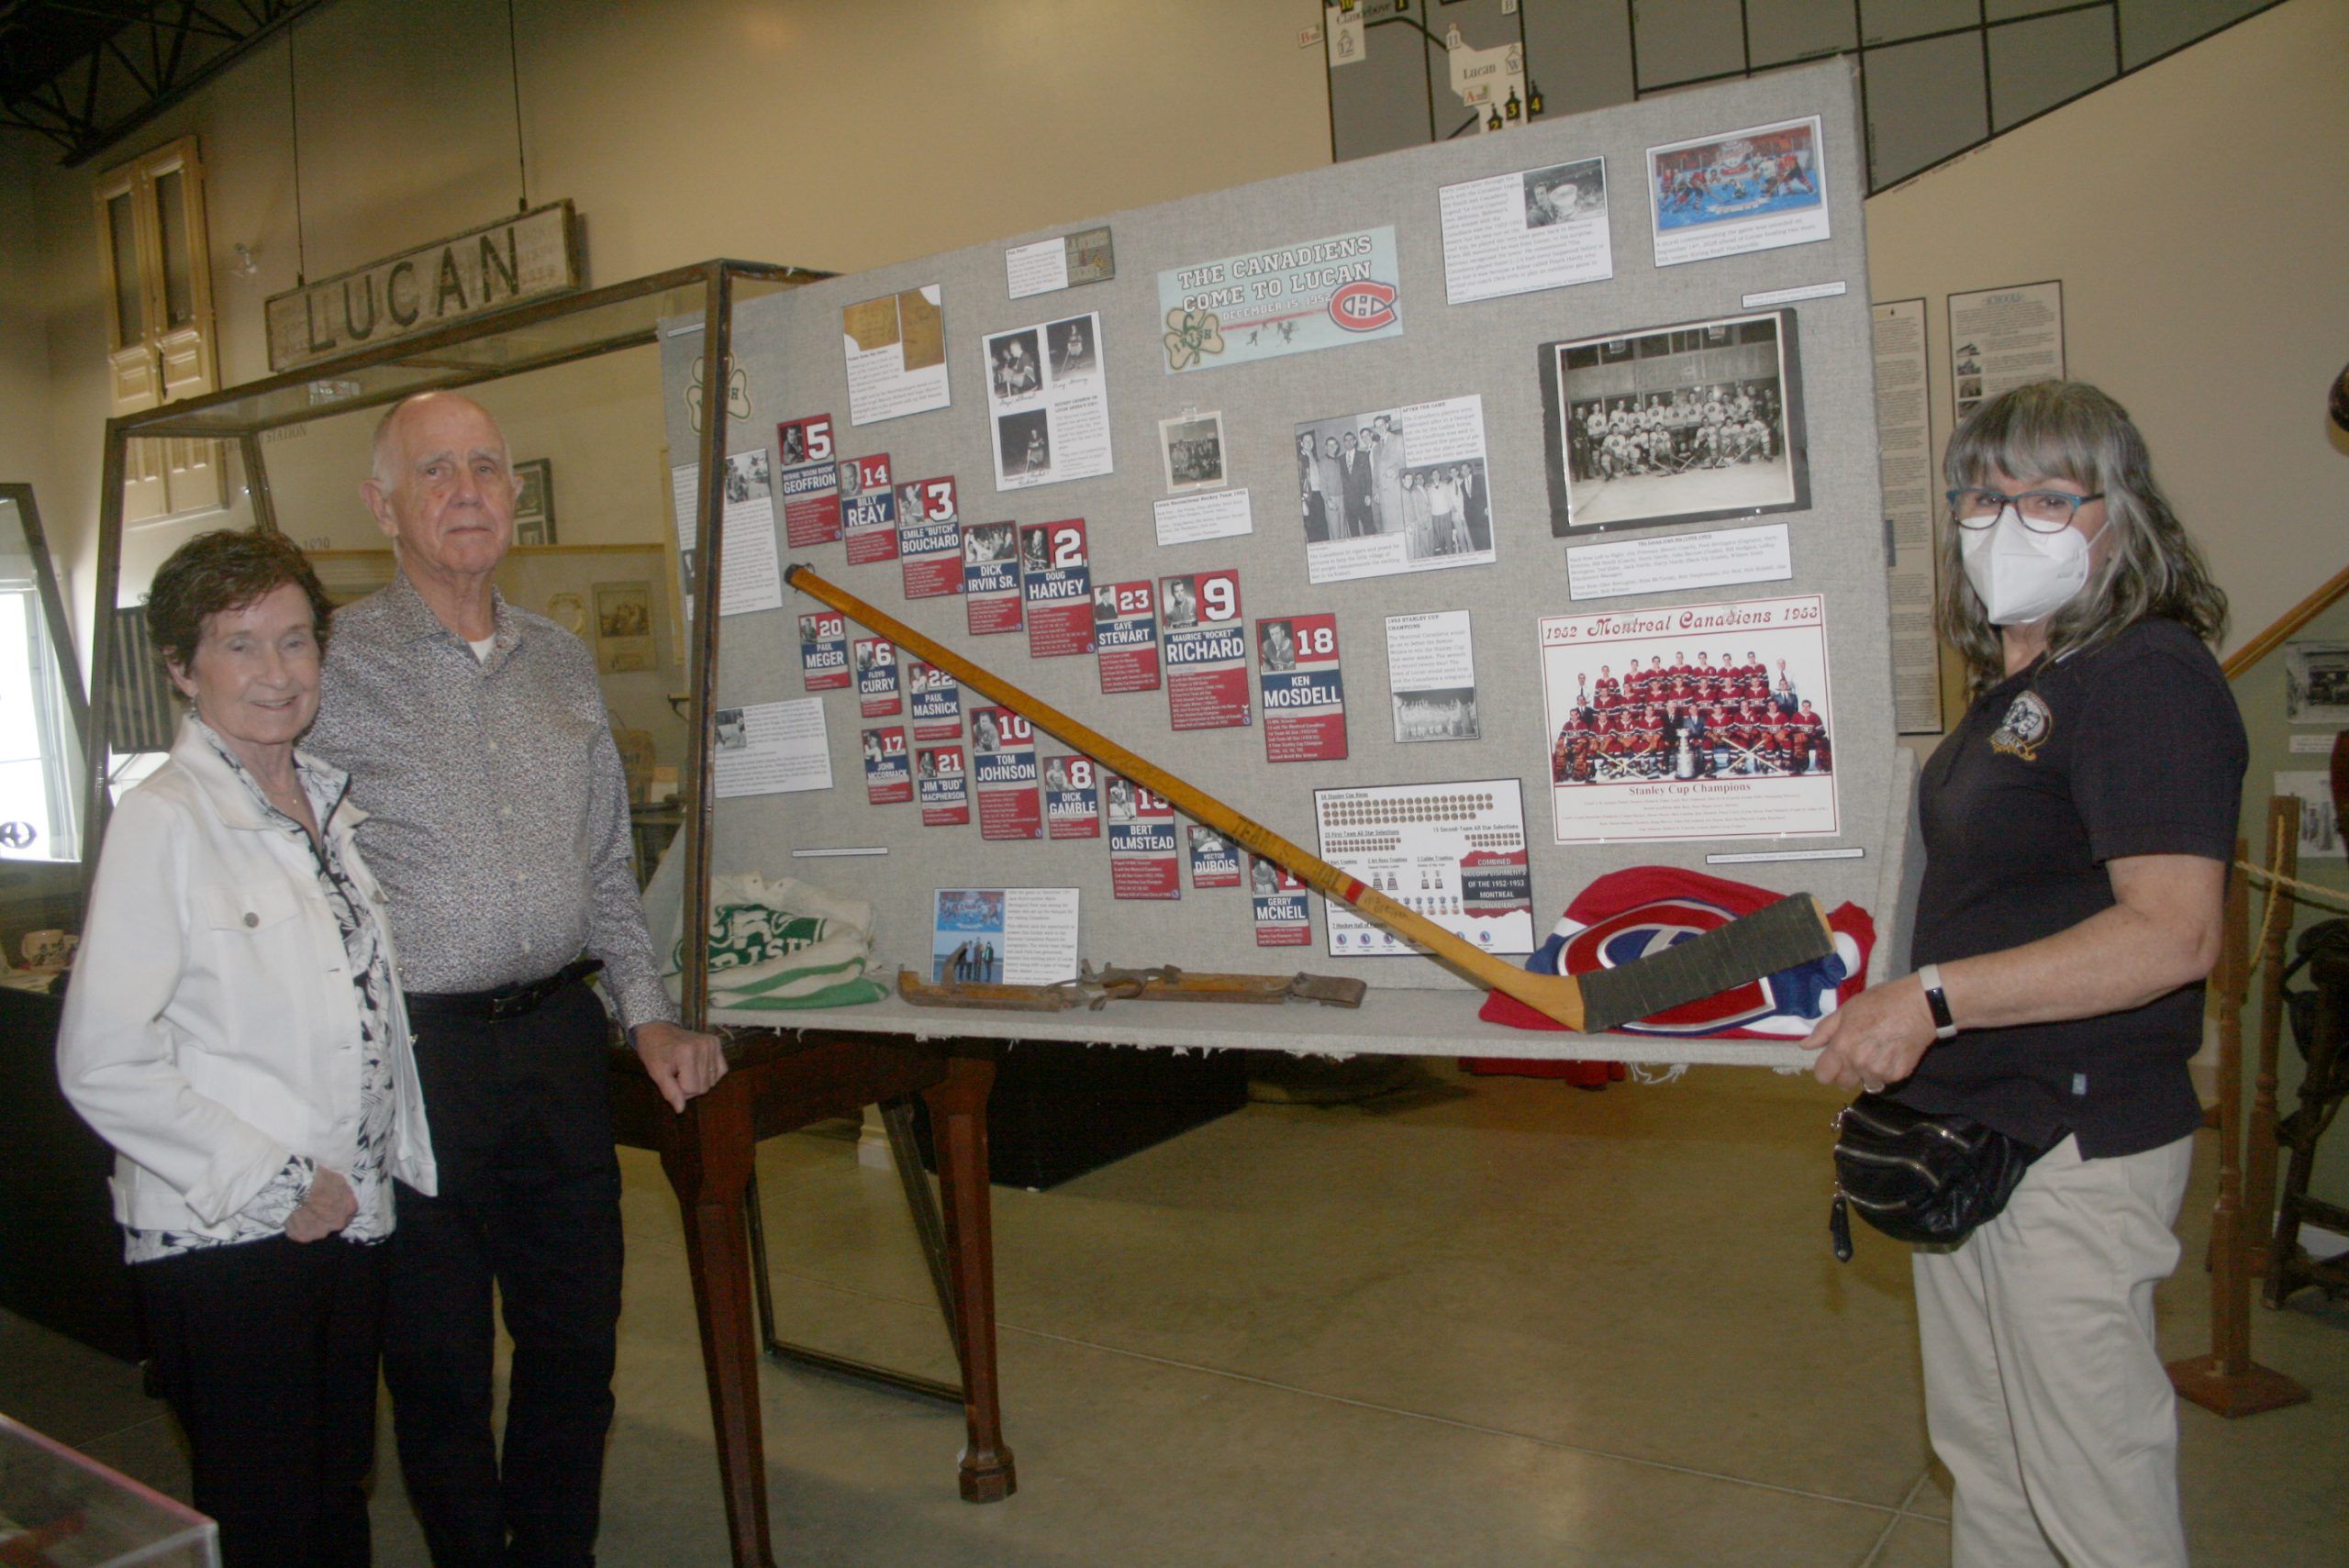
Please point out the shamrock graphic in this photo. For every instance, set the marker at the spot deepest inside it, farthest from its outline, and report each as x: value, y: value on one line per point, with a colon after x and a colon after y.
x: 1189, y: 334
x: 738, y: 393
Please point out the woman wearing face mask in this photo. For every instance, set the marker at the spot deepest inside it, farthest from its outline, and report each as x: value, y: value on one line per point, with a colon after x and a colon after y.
x: 2079, y: 823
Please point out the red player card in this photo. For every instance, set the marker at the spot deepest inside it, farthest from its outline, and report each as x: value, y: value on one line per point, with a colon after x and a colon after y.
x: 1206, y: 650
x: 1056, y: 584
x: 1125, y: 635
x: 876, y: 678
x: 1303, y: 690
x: 869, y: 519
x: 1214, y: 863
x: 943, y: 787
x: 811, y: 490
x: 1003, y: 759
x: 929, y: 538
x: 1072, y: 798
x: 823, y: 651
x: 990, y: 577
x: 888, y: 770
x: 1143, y: 861
x: 936, y: 698
x: 1283, y: 919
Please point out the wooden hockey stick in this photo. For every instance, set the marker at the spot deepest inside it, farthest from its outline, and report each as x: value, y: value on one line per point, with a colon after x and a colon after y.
x: 1792, y: 931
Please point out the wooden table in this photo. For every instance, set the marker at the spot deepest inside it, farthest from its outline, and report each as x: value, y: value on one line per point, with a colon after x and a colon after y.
x: 778, y: 1080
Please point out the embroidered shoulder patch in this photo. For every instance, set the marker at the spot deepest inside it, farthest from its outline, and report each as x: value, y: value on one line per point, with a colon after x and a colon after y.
x: 2025, y: 729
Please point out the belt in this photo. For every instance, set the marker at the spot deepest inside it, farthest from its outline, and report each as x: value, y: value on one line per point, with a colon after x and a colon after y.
x: 505, y: 1002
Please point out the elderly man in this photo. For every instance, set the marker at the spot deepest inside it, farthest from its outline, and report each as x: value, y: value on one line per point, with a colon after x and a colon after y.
x: 477, y: 738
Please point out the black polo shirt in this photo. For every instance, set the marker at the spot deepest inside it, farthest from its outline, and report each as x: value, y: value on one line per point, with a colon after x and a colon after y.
x: 2133, y: 747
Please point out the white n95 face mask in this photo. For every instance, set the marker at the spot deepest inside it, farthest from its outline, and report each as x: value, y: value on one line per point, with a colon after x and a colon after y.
x: 2024, y: 576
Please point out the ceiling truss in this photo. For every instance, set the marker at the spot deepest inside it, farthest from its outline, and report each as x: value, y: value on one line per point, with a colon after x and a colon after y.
x: 85, y: 73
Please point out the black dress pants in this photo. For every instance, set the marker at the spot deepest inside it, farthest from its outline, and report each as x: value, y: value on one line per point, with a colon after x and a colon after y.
x: 266, y: 1352
x: 528, y: 1203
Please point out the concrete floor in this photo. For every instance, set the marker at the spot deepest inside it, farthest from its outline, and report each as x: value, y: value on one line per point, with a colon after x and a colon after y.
x: 1481, y: 1320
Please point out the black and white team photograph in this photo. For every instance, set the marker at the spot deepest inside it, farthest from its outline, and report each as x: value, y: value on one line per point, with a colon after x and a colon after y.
x: 1193, y: 444
x: 1676, y: 424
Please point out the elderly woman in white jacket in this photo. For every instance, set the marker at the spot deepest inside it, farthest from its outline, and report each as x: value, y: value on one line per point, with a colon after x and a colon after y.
x: 234, y: 1028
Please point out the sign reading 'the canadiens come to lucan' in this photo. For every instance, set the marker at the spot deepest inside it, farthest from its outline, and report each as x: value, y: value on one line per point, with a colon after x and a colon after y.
x: 530, y: 256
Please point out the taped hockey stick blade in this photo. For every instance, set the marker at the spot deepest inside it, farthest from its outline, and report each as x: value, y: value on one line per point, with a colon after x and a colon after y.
x: 1778, y: 936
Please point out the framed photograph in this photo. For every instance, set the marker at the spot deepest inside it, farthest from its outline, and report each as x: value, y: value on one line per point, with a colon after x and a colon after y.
x: 1737, y: 191
x: 1192, y: 444
x: 1681, y: 424
x: 534, y: 507
x: 624, y: 628
x: 2316, y: 683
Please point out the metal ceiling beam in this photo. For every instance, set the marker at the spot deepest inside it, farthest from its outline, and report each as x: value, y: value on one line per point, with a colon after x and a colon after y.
x: 161, y: 51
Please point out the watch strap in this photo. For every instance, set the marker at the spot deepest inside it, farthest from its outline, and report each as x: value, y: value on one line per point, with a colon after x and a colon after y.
x: 1937, y: 1001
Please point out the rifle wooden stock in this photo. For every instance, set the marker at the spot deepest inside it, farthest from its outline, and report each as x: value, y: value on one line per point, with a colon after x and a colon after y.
x: 1788, y: 933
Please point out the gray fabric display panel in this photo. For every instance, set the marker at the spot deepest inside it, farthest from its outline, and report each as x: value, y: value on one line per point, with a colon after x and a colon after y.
x: 789, y: 348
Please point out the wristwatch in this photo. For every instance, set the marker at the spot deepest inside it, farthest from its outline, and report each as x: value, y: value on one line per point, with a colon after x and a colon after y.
x: 1930, y: 977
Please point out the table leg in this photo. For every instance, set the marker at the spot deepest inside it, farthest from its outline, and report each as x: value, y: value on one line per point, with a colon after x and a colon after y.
x: 708, y: 1154
x: 958, y: 1124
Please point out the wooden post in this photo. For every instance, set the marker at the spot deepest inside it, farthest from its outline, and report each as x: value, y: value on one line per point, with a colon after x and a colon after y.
x: 2260, y: 1148
x: 2227, y: 1381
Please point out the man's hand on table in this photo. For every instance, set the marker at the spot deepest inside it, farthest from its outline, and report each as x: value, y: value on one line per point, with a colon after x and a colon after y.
x: 681, y: 1063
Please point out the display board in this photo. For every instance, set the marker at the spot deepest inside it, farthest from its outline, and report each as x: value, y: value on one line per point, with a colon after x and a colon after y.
x: 1553, y: 435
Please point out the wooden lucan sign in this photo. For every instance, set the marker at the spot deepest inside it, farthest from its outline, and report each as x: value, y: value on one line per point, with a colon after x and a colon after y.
x: 530, y: 257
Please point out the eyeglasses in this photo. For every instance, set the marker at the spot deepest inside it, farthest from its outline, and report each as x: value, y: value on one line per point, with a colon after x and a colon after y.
x: 2043, y: 511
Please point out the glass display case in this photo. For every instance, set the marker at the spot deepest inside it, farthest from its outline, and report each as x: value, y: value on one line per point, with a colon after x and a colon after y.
x: 60, y: 1509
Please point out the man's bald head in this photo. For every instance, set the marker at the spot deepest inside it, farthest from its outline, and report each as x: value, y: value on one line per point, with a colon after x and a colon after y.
x: 385, y: 457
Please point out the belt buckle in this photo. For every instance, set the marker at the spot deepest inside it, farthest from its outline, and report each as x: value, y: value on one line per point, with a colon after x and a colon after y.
x: 512, y: 1004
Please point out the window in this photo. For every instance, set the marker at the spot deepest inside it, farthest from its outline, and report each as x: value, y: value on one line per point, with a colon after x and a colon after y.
x: 39, y: 746
x: 157, y: 262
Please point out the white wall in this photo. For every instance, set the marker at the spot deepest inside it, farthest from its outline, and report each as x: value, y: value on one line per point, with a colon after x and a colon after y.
x: 24, y: 336
x: 2193, y: 211
x: 2195, y: 214
x: 818, y: 132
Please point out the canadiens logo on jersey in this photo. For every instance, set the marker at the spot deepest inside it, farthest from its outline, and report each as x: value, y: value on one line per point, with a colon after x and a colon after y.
x: 2025, y: 729
x: 1626, y: 915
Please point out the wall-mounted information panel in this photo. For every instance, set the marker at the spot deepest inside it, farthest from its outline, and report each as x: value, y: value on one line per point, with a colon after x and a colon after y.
x: 1486, y: 517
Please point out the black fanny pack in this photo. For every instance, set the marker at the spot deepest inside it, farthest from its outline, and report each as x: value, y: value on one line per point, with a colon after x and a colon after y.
x: 1917, y: 1176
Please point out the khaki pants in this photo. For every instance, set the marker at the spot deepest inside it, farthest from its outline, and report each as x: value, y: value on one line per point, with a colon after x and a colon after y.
x: 2044, y: 1391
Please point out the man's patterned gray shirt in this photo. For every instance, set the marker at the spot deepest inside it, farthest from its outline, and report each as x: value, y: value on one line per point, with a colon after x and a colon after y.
x: 498, y: 820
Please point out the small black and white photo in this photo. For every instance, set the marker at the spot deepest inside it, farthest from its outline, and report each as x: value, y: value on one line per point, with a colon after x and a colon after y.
x: 1448, y: 714
x: 1564, y: 192
x: 1015, y: 369
x: 1412, y: 480
x: 732, y: 734
x: 1071, y: 344
x: 850, y: 481
x: 985, y: 543
x: 1276, y: 647
x: 747, y: 475
x: 2316, y: 683
x: 1024, y: 442
x: 2320, y: 822
x: 1674, y: 424
x: 1035, y: 547
x: 1192, y: 444
x: 986, y: 733
x: 1122, y: 800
